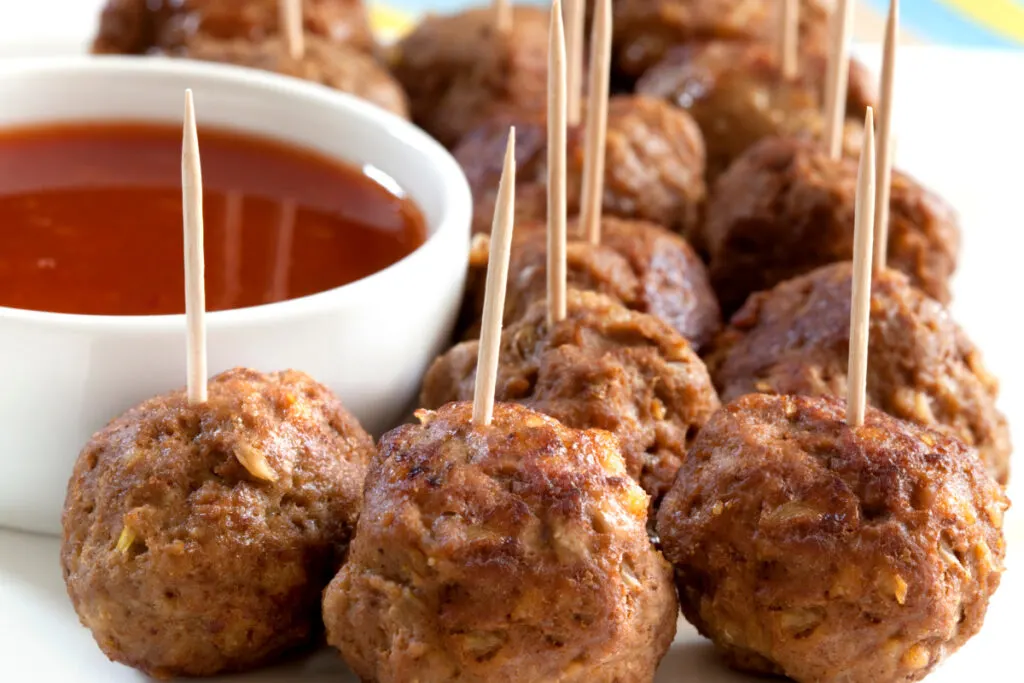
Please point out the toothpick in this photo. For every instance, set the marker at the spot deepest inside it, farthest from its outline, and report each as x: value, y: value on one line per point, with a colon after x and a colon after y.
x: 502, y: 16
x: 494, y: 295
x: 860, y: 309
x: 789, y: 37
x: 574, y: 20
x: 195, y: 290
x: 597, y: 122
x: 556, y: 166
x: 838, y: 76
x: 885, y: 144
x: 291, y: 27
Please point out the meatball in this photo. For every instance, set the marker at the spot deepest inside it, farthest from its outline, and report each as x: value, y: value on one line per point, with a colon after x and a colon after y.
x: 641, y: 265
x: 785, y: 208
x: 644, y: 30
x: 139, y: 26
x: 654, y: 164
x: 335, y: 65
x: 737, y: 94
x: 825, y: 553
x: 460, y: 71
x: 603, y: 367
x: 511, y: 552
x: 794, y: 339
x: 198, y: 538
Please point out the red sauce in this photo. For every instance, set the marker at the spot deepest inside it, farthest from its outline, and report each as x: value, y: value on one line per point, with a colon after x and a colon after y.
x: 90, y: 220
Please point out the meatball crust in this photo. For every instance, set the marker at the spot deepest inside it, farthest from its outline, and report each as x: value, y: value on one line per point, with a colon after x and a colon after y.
x: 806, y: 548
x: 459, y: 71
x: 198, y: 538
x: 737, y: 94
x: 641, y: 265
x: 603, y: 367
x: 139, y: 26
x: 654, y: 164
x: 794, y: 339
x: 785, y: 208
x: 512, y: 552
x: 644, y: 30
x: 335, y: 65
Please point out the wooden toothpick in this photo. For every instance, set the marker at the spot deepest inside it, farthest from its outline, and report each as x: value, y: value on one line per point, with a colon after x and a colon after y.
x: 494, y: 295
x: 502, y: 15
x: 556, y: 166
x: 789, y: 37
x: 195, y: 289
x: 291, y: 27
x: 885, y: 145
x: 597, y: 123
x: 837, y: 78
x: 860, y: 309
x: 574, y: 20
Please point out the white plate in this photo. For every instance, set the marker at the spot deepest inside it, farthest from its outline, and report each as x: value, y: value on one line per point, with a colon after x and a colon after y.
x: 976, y: 166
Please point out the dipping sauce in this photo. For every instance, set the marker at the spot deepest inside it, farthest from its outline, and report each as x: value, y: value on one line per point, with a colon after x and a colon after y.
x: 91, y: 220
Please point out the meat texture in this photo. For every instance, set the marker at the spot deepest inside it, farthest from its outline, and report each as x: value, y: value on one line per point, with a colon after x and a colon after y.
x: 460, y: 71
x: 654, y: 164
x: 510, y: 552
x: 794, y: 339
x: 603, y: 367
x: 831, y: 554
x: 642, y: 266
x: 785, y: 208
x: 198, y: 538
x: 737, y: 94
x: 644, y: 30
x: 137, y: 27
x: 336, y: 65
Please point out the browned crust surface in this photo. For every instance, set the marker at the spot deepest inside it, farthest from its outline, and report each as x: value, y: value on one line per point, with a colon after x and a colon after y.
x: 513, y: 552
x: 641, y: 265
x: 736, y: 93
x: 139, y: 26
x: 794, y: 339
x: 785, y: 208
x: 806, y: 548
x: 336, y: 65
x: 218, y: 570
x: 604, y: 366
x: 459, y: 71
x: 654, y: 164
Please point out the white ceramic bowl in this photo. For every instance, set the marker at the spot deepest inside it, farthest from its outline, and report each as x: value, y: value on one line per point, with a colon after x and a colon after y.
x: 64, y: 376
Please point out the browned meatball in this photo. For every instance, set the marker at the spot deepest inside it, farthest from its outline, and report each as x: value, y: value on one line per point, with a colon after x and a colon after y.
x: 737, y: 94
x: 644, y: 30
x: 335, y: 65
x: 794, y: 339
x: 785, y: 208
x: 806, y: 548
x: 510, y: 552
x: 460, y: 71
x: 643, y: 266
x: 604, y: 366
x: 138, y: 26
x: 198, y: 538
x: 654, y: 164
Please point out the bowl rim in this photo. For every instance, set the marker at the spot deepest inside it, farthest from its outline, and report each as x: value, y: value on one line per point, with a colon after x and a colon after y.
x: 456, y: 199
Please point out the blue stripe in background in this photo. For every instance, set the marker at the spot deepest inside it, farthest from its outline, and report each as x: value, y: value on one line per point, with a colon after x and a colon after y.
x: 935, y: 22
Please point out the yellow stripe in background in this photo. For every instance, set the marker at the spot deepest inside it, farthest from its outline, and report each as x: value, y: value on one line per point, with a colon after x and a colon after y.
x: 390, y: 24
x: 1005, y: 17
